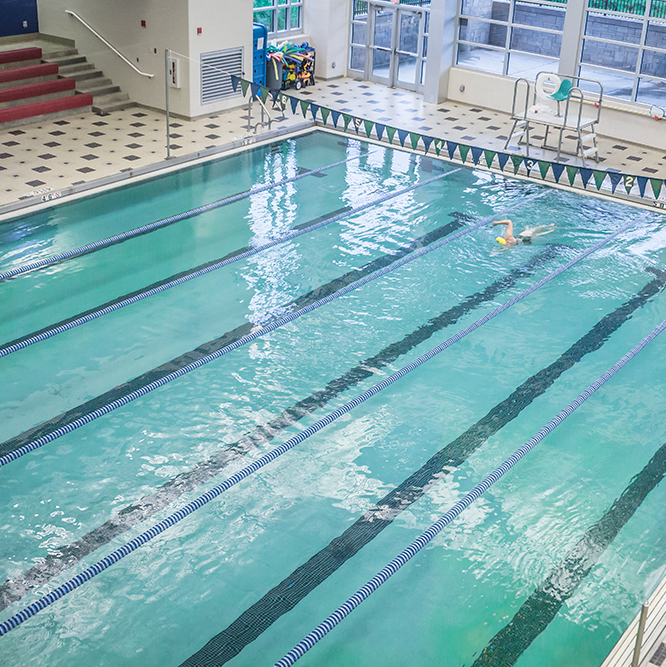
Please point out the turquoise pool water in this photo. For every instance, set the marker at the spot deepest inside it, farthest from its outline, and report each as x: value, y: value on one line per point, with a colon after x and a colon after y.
x: 190, y: 585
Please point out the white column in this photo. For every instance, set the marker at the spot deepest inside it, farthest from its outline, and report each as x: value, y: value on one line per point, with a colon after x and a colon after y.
x: 574, y: 21
x: 327, y: 23
x: 440, y: 50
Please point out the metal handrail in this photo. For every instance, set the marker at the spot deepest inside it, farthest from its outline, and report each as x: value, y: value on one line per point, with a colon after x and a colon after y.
x: 120, y: 55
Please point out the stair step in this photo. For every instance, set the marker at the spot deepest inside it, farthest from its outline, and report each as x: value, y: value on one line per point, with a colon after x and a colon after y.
x: 51, y: 55
x: 589, y: 151
x: 92, y: 84
x: 9, y: 77
x: 516, y: 135
x: 589, y: 137
x: 71, y: 69
x: 68, y: 60
x: 23, y: 94
x: 111, y: 98
x: 102, y: 91
x: 26, y: 112
x: 20, y: 57
x: 87, y: 74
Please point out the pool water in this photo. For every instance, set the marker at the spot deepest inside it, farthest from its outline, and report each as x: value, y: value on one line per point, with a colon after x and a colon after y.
x: 210, y: 576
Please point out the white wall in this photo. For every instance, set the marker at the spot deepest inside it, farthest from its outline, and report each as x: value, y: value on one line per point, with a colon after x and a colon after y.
x: 170, y: 24
x: 327, y: 22
x: 225, y: 24
x: 492, y: 91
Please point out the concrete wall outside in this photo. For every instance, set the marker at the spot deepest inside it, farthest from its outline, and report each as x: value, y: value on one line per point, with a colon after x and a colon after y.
x: 495, y: 92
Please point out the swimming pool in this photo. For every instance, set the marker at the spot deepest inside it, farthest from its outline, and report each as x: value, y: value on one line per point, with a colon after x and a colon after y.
x: 245, y: 577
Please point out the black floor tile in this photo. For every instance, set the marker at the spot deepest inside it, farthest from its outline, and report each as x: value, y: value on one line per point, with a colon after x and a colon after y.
x: 46, y: 156
x: 93, y: 144
x: 131, y: 158
x: 35, y: 184
x: 90, y: 156
x: 52, y: 144
x: 85, y: 170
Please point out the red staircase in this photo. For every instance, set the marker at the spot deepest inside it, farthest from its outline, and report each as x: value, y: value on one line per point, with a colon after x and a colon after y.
x: 31, y: 90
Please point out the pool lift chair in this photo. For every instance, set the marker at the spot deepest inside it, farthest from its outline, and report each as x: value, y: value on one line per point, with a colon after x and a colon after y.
x: 577, y: 95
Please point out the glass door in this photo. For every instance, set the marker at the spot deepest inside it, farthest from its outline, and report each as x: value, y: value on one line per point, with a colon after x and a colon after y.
x: 382, y: 45
x: 408, y: 54
x: 389, y: 44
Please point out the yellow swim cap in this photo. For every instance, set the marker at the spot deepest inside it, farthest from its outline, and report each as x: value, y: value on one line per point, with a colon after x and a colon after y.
x: 501, y: 240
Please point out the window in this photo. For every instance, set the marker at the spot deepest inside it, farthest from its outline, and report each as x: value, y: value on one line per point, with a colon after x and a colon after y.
x: 624, y: 47
x: 282, y: 17
x: 515, y: 37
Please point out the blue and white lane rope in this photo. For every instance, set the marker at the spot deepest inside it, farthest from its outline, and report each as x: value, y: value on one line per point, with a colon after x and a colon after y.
x: 49, y: 333
x: 276, y: 324
x: 267, y: 458
x: 381, y: 577
x: 165, y: 222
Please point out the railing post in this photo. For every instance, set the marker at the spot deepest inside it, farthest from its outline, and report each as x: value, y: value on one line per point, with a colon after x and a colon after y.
x: 166, y: 83
x: 639, y: 634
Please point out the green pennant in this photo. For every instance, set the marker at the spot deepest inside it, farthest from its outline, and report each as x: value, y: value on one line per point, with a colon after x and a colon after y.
x: 490, y: 156
x: 656, y: 186
x: 390, y: 133
x: 414, y: 138
x: 543, y: 168
x: 244, y: 86
x: 347, y: 118
x: 264, y: 94
x: 368, y: 127
x: 517, y: 161
x: 599, y: 177
x: 464, y: 150
x: 305, y: 105
x: 439, y: 143
x: 628, y: 183
x: 325, y: 113
x: 571, y: 173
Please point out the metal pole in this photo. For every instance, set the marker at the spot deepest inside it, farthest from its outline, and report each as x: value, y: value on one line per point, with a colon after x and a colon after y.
x: 166, y: 82
x: 639, y: 634
x: 249, y: 113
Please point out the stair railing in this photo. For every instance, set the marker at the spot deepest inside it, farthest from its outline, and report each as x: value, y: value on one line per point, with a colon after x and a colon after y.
x: 120, y: 55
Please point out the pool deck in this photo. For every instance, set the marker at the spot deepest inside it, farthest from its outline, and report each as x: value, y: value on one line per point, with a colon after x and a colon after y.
x: 84, y: 151
x: 653, y: 649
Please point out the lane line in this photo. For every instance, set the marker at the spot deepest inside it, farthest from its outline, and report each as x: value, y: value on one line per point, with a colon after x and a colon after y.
x: 71, y: 420
x: 267, y: 458
x: 536, y: 613
x: 303, y: 580
x: 197, y: 272
x: 407, y: 554
x: 160, y: 224
x: 131, y: 515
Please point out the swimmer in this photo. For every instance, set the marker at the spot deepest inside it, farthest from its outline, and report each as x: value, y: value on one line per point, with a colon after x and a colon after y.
x: 525, y: 236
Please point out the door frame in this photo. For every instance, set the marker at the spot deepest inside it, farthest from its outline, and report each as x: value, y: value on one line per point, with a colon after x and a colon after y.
x: 392, y: 80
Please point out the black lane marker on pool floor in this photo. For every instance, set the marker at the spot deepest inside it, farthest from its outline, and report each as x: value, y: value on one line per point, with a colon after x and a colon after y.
x: 66, y: 418
x: 542, y: 606
x: 132, y: 297
x: 159, y: 224
x: 134, y: 514
x: 289, y: 592
x: 203, y: 269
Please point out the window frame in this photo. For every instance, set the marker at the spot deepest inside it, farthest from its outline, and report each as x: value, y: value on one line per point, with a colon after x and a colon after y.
x: 645, y: 19
x: 509, y: 24
x: 274, y: 8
